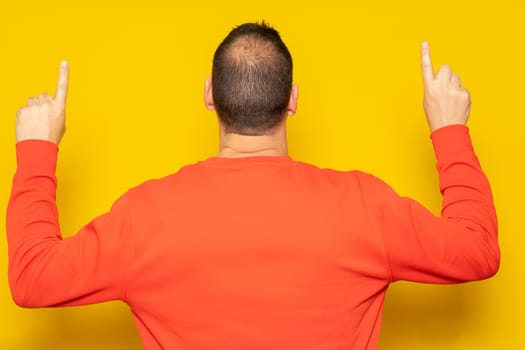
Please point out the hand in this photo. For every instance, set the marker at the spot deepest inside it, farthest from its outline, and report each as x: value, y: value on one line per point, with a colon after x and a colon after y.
x: 446, y: 102
x: 43, y: 118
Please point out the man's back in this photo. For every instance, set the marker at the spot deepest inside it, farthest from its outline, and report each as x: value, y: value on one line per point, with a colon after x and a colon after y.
x: 252, y: 244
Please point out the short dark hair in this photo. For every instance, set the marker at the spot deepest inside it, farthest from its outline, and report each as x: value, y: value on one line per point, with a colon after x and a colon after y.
x: 252, y: 79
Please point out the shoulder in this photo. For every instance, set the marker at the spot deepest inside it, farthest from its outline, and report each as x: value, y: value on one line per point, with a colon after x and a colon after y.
x: 342, y: 175
x: 353, y: 181
x: 162, y: 185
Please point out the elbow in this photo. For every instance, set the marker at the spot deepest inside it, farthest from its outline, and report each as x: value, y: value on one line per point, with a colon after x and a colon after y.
x: 21, y: 298
x: 18, y: 285
x: 22, y: 293
x: 493, y: 252
x: 21, y: 302
x: 490, y: 263
x: 26, y: 299
x: 483, y: 252
x: 493, y: 256
x: 29, y: 278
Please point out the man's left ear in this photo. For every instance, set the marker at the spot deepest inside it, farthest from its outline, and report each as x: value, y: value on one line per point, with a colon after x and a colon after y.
x: 292, y: 104
x: 208, y: 95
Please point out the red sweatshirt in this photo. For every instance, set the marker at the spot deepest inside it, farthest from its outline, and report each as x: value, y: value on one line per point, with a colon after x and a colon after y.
x: 252, y: 253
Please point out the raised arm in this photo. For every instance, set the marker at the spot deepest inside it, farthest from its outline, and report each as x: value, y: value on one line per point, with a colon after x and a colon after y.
x: 44, y: 269
x: 462, y: 243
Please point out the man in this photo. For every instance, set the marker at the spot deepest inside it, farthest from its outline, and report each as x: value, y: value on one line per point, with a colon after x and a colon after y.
x: 251, y: 249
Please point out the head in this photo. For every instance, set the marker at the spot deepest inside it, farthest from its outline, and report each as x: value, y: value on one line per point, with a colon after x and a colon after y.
x: 251, y: 84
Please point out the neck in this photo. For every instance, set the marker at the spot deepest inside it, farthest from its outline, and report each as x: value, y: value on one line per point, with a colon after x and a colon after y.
x: 235, y: 145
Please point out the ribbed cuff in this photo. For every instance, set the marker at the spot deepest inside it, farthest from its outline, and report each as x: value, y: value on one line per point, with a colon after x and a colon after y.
x: 37, y: 155
x: 451, y: 140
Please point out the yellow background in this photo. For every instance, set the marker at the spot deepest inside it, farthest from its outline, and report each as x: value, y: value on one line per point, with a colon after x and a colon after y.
x: 135, y: 112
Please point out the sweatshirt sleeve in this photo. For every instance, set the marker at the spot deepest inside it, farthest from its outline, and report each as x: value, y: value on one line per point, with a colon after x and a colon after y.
x: 461, y: 244
x: 45, y: 269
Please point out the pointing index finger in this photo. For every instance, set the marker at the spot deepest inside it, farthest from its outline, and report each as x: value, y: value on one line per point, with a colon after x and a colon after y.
x: 426, y: 63
x: 62, y: 84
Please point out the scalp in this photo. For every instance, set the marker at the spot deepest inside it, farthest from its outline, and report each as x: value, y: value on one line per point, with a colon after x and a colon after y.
x: 250, y: 50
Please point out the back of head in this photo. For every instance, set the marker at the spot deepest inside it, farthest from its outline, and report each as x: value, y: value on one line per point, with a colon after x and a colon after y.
x: 252, y: 79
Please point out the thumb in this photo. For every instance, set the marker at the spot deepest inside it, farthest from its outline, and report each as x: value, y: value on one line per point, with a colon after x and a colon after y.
x: 62, y: 84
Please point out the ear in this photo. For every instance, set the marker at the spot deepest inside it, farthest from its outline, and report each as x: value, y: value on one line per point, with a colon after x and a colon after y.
x: 208, y: 95
x: 292, y: 104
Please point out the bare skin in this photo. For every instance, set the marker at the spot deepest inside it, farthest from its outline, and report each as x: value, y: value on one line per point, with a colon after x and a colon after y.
x: 446, y: 102
x: 44, y: 117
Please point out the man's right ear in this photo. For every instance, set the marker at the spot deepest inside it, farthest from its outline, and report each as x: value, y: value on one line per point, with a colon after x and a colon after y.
x: 208, y: 95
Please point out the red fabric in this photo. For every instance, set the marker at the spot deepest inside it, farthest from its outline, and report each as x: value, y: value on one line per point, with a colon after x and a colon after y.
x: 252, y: 253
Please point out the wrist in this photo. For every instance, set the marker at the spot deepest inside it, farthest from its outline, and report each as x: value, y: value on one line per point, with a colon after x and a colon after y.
x: 451, y: 139
x: 36, y: 154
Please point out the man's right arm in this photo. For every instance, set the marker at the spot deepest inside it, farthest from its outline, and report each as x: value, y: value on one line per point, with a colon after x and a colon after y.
x: 44, y: 269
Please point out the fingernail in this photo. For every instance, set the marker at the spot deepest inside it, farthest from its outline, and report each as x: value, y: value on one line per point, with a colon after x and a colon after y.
x: 63, y: 64
x: 424, y: 44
